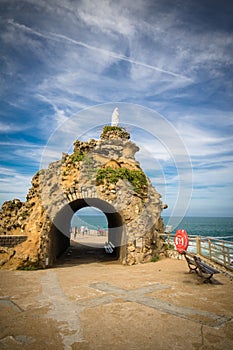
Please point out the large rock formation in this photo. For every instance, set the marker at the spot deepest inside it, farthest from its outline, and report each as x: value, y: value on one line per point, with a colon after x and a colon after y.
x: 101, y: 173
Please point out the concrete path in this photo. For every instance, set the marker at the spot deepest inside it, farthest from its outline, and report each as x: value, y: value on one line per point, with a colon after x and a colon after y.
x: 87, y: 304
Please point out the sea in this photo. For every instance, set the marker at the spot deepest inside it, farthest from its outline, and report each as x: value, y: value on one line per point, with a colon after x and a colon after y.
x: 221, y: 227
x: 217, y: 227
x: 92, y: 222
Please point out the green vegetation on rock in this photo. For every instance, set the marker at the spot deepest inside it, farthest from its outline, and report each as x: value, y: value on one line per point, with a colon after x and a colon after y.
x: 168, y: 246
x: 28, y: 268
x: 77, y: 157
x: 155, y: 258
x: 136, y: 177
x: 109, y: 130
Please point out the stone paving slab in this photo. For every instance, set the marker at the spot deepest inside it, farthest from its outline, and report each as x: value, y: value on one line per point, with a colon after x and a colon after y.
x: 109, y: 306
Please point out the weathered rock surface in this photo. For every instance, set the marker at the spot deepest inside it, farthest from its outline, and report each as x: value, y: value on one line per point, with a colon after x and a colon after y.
x: 103, y: 169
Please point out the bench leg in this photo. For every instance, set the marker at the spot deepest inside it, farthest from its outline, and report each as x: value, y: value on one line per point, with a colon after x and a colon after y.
x: 208, y: 279
x: 191, y: 269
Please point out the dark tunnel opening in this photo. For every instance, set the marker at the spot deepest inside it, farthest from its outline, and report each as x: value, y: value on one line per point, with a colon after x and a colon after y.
x: 60, y: 233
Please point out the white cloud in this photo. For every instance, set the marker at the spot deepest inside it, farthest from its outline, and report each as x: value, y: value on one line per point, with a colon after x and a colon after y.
x: 106, y: 51
x: 32, y: 154
x: 166, y: 45
x: 9, y: 127
x: 105, y: 56
x: 203, y: 143
x: 114, y: 18
x: 13, y: 184
x: 19, y: 144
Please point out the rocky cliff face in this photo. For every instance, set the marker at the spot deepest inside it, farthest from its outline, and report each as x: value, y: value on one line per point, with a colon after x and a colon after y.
x: 98, y: 171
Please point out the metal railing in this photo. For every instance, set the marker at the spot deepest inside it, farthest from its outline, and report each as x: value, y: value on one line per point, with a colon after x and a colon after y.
x: 215, y: 249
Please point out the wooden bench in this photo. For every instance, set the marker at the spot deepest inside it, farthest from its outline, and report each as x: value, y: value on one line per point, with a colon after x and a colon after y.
x: 190, y: 261
x: 197, y: 265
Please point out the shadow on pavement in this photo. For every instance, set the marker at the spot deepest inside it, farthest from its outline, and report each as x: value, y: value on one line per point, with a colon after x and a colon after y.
x: 79, y: 253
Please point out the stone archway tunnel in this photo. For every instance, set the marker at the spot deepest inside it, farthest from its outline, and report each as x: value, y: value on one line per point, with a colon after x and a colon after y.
x: 101, y: 173
x: 59, y: 234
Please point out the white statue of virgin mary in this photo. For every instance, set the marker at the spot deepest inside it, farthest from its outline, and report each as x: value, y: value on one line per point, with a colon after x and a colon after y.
x: 115, y: 117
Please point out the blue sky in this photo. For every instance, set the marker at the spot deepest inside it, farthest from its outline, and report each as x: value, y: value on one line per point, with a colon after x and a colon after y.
x: 66, y: 64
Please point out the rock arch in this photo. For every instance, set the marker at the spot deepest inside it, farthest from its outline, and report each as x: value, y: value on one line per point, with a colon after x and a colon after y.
x: 59, y: 238
x: 101, y: 173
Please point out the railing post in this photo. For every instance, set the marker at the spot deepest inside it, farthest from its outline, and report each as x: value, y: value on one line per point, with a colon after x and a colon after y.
x: 168, y: 239
x: 198, y: 245
x: 228, y: 257
x: 210, y: 252
x: 224, y: 253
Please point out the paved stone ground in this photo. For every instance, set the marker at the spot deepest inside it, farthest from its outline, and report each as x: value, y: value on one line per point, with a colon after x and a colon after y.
x: 87, y: 302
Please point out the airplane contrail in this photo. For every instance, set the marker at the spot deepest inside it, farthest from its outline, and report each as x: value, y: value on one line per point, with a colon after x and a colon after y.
x: 55, y: 36
x: 119, y: 56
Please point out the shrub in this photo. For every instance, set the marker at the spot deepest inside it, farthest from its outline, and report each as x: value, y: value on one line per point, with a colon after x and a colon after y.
x: 108, y: 128
x: 120, y: 132
x: 77, y: 157
x: 168, y: 246
x: 155, y: 258
x: 109, y: 175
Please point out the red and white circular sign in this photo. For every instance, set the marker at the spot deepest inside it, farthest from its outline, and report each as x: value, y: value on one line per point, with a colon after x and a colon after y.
x: 181, y: 240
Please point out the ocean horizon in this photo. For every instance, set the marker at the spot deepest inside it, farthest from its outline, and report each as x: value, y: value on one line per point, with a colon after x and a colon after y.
x: 194, y: 225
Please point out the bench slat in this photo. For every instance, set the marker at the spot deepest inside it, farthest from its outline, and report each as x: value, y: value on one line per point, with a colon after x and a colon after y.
x: 206, y: 268
x: 200, y: 266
